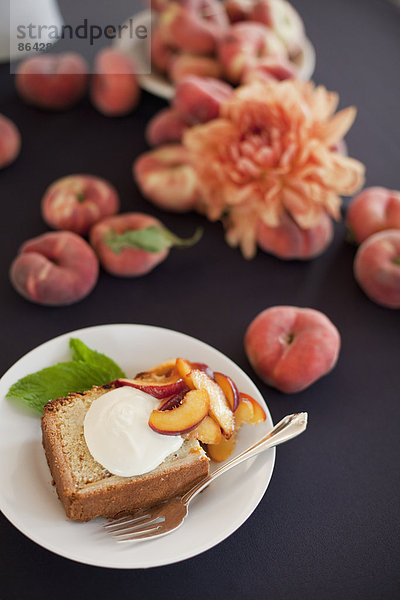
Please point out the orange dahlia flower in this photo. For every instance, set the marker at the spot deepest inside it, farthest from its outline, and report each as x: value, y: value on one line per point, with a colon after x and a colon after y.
x: 273, y: 150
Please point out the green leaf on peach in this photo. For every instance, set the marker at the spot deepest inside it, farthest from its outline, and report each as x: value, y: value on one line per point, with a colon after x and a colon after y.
x: 151, y: 239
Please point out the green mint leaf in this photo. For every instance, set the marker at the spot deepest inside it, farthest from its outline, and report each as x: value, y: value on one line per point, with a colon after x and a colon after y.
x: 151, y: 239
x: 87, y: 368
x: 81, y: 352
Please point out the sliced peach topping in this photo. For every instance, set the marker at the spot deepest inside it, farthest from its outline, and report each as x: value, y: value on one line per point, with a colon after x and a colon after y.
x: 229, y: 388
x: 193, y: 409
x: 207, y: 432
x: 223, y: 450
x: 155, y: 389
x: 219, y: 406
x: 258, y: 414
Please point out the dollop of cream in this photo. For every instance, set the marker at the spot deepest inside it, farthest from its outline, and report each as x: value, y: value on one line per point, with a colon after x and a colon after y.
x: 119, y: 437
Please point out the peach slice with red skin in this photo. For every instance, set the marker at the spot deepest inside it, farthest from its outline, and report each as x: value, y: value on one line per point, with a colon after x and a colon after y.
x: 184, y: 368
x: 249, y: 411
x: 203, y: 367
x: 244, y: 412
x: 174, y: 401
x: 186, y: 416
x: 219, y: 405
x: 229, y: 388
x: 207, y: 432
x: 157, y: 390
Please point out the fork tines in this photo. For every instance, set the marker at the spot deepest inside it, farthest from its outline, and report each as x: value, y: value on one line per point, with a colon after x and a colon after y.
x: 126, y: 529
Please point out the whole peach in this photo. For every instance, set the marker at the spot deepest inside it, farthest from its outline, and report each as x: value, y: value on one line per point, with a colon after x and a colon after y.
x: 289, y: 241
x: 114, y: 90
x: 10, y: 141
x: 194, y: 25
x: 199, y: 99
x: 185, y: 64
x: 55, y: 269
x: 283, y: 19
x: 374, y: 209
x: 377, y: 267
x: 77, y: 202
x: 270, y: 69
x: 244, y: 45
x: 238, y: 10
x: 52, y: 81
x: 289, y: 347
x: 161, y: 53
x: 165, y: 127
x: 129, y: 262
x: 167, y: 178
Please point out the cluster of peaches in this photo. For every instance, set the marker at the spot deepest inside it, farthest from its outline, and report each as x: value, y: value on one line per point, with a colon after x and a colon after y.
x: 61, y: 267
x: 58, y: 81
x: 373, y: 219
x: 234, y: 40
x: 197, y: 402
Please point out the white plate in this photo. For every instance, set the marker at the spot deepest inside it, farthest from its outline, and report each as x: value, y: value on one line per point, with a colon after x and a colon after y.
x: 30, y: 502
x: 159, y: 85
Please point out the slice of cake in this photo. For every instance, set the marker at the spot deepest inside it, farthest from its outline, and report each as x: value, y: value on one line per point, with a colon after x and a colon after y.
x: 86, y: 488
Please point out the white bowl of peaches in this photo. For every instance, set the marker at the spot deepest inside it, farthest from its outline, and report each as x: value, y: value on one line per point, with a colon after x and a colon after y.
x: 236, y: 41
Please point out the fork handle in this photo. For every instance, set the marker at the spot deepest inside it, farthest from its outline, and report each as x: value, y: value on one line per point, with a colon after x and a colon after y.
x: 288, y: 428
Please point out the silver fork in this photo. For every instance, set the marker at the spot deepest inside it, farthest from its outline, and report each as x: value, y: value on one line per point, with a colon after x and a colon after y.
x: 159, y: 520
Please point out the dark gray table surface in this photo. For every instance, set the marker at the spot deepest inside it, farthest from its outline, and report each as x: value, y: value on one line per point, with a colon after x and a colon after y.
x: 328, y: 526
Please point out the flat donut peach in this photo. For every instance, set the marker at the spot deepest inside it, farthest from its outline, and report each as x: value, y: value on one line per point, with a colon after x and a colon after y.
x: 77, y: 202
x: 199, y: 99
x: 374, y: 209
x: 269, y: 69
x: 52, y: 81
x: 166, y: 127
x: 290, y: 348
x: 377, y: 267
x: 283, y: 19
x: 244, y: 45
x: 55, y: 269
x: 129, y: 262
x: 183, y: 65
x: 193, y: 25
x: 161, y: 53
x: 114, y: 90
x: 10, y: 141
x: 167, y: 178
x: 288, y: 241
x: 238, y: 10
